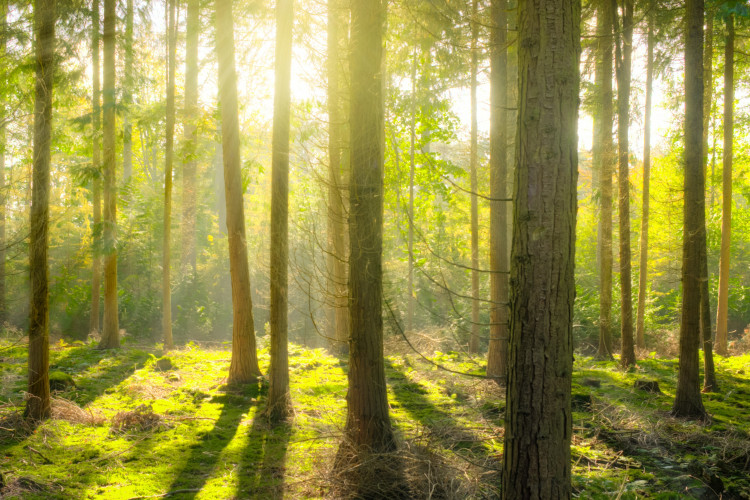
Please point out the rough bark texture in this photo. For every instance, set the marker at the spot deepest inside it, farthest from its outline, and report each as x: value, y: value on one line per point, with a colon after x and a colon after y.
x: 726, y: 201
x: 640, y: 328
x: 127, y: 96
x: 538, y: 424
x: 368, y: 425
x: 3, y: 195
x: 111, y: 328
x: 497, y: 355
x: 244, y: 366
x: 688, y: 401
x: 38, y: 403
x: 189, y: 163
x: 624, y: 49
x: 166, y: 287
x: 473, y: 160
x: 604, y: 162
x: 338, y: 313
x: 96, y: 259
x: 279, y: 401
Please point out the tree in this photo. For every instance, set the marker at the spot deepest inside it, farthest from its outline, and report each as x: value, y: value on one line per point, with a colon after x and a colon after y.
x: 279, y: 401
x: 244, y: 365
x: 688, y: 401
x: 643, y: 267
x: 726, y: 201
x: 127, y: 96
x: 368, y: 425
x: 189, y: 164
x: 96, y: 260
x: 111, y: 330
x: 38, y: 404
x: 538, y: 416
x: 497, y: 356
x: 604, y: 160
x: 474, y: 339
x: 623, y: 56
x: 3, y: 111
x: 166, y: 318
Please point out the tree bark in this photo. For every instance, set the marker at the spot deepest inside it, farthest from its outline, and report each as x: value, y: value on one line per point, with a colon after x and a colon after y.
x: 722, y: 312
x: 538, y: 423
x: 111, y: 329
x: 3, y: 146
x: 368, y: 425
x: 96, y: 259
x: 166, y: 304
x: 38, y: 403
x: 688, y: 401
x: 244, y: 365
x: 189, y: 163
x: 474, y: 339
x: 497, y: 356
x: 279, y: 399
x: 127, y: 96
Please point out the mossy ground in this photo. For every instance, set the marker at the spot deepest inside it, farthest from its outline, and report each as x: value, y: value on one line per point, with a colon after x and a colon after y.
x: 213, y: 442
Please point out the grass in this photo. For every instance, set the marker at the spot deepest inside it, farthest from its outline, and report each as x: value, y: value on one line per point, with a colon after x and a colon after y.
x: 149, y: 431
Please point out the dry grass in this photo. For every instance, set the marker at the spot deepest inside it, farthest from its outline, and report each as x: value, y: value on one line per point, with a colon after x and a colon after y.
x: 142, y: 418
x: 63, y: 409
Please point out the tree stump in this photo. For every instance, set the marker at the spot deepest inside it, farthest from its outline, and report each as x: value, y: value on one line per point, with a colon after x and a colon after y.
x: 651, y: 386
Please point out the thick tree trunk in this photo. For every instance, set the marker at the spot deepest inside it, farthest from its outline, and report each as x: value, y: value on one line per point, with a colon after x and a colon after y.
x: 688, y: 397
x: 497, y: 355
x: 279, y: 400
x: 244, y: 366
x: 640, y: 322
x: 96, y: 259
x: 604, y: 161
x: 726, y: 202
x: 623, y: 58
x: 166, y: 287
x: 38, y: 403
x: 338, y: 313
x: 3, y: 146
x: 368, y: 425
x: 111, y: 329
x: 473, y: 160
x: 538, y: 424
x: 189, y: 163
x: 127, y: 96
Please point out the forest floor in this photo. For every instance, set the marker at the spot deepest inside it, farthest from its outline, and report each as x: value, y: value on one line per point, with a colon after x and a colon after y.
x: 134, y: 425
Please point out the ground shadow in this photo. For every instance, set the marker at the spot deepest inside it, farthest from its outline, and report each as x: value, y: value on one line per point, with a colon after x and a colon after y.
x: 263, y: 465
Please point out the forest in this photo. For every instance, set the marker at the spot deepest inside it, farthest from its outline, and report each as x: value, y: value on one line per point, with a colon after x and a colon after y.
x: 374, y: 249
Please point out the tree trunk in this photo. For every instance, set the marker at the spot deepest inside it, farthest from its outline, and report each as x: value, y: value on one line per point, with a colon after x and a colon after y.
x: 189, y: 164
x: 368, y: 425
x: 244, y: 366
x: 726, y: 202
x: 605, y: 163
x: 166, y: 304
x: 3, y: 145
x: 38, y: 403
x: 279, y: 400
x: 474, y: 339
x: 688, y: 397
x: 127, y: 96
x: 538, y: 423
x: 640, y: 338
x: 96, y: 259
x: 111, y: 330
x: 337, y: 168
x: 497, y: 356
x: 624, y: 51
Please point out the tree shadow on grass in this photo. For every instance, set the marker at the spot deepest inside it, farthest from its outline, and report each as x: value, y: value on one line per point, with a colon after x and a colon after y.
x: 262, y: 468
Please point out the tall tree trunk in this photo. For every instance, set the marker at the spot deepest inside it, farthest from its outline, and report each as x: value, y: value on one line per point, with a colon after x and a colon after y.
x: 604, y: 161
x: 279, y: 400
x: 337, y: 168
x: 624, y: 51
x: 709, y: 372
x: 688, y: 401
x: 726, y: 202
x: 111, y: 329
x: 412, y: 166
x: 166, y: 304
x: 640, y: 328
x: 474, y: 339
x: 189, y: 163
x: 96, y: 260
x: 497, y: 356
x: 244, y: 366
x: 538, y: 423
x: 3, y: 146
x: 38, y: 404
x: 127, y: 96
x: 368, y: 425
